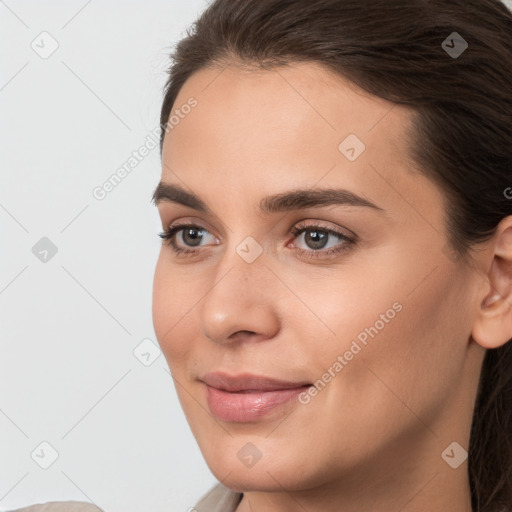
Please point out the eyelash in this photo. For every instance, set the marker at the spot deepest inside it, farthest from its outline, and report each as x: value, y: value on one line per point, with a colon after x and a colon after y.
x: 168, y: 238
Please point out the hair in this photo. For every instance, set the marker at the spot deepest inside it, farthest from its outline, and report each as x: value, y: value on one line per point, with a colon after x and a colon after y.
x: 462, y: 130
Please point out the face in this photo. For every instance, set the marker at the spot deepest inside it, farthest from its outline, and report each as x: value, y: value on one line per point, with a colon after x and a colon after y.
x: 314, y: 335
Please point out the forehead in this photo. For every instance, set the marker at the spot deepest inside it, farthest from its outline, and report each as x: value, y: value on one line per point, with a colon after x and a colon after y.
x: 258, y: 132
x: 290, y: 108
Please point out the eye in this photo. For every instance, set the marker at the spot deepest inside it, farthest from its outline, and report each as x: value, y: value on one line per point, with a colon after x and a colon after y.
x: 192, y: 234
x: 316, y: 237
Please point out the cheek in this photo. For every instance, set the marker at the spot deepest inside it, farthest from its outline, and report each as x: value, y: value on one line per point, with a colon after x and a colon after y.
x: 401, y: 343
x: 410, y: 363
x: 170, y: 306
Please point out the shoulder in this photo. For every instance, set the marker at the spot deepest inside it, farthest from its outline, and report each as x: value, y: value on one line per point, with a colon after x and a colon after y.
x: 60, y: 506
x: 219, y: 499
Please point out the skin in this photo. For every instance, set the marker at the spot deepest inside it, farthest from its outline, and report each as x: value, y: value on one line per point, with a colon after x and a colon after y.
x: 372, y: 439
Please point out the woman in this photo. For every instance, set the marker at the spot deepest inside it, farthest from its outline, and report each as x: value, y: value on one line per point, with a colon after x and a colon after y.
x: 333, y: 293
x: 336, y: 271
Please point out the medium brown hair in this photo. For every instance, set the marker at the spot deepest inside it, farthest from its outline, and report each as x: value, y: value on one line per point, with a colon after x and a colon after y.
x: 462, y: 123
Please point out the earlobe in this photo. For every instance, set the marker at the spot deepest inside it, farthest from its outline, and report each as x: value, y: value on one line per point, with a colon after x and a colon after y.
x: 493, y: 325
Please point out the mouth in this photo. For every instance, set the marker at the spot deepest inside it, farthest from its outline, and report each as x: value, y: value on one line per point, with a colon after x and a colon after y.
x: 247, y: 397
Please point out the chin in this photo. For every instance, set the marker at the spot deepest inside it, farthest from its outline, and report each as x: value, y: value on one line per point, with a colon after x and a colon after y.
x: 261, y: 480
x: 272, y: 472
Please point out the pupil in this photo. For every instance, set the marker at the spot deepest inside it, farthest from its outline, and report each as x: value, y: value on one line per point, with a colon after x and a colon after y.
x: 321, y: 239
x: 190, y: 233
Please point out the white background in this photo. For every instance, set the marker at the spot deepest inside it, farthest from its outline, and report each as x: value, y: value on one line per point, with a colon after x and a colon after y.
x: 69, y: 326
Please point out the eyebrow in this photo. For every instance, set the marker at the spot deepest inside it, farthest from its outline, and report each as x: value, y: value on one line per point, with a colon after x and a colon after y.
x: 282, y: 202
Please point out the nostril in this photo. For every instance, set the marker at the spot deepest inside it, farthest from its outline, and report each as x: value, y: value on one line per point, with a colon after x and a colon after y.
x: 240, y: 334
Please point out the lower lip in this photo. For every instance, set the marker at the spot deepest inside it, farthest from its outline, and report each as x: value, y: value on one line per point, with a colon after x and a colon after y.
x: 243, y: 407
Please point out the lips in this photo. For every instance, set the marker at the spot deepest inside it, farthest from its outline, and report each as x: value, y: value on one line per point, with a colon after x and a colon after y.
x: 248, y: 382
x: 248, y: 398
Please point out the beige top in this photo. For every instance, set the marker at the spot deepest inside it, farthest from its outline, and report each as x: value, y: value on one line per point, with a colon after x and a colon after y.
x: 60, y: 506
x: 217, y: 499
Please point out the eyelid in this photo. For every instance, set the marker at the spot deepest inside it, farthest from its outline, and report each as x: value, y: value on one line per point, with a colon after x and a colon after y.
x: 188, y: 222
x: 324, y: 226
x: 168, y: 211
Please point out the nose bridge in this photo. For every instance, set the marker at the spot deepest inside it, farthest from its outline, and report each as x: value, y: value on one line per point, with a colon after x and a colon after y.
x: 241, y: 297
x: 244, y: 253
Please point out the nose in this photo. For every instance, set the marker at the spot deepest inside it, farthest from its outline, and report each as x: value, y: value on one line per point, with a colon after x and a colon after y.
x: 242, y: 303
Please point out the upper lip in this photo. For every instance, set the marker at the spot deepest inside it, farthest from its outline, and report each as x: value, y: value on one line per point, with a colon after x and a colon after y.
x: 248, y: 382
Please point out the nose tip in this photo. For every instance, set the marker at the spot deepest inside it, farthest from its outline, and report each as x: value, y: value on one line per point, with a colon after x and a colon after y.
x: 239, y: 307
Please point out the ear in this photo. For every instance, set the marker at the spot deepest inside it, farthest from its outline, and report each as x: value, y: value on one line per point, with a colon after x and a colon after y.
x: 493, y: 325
